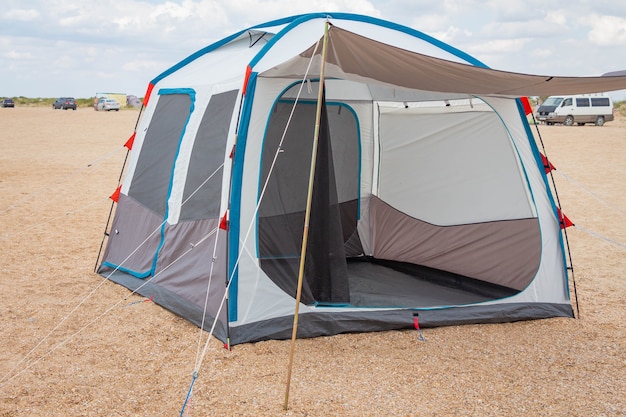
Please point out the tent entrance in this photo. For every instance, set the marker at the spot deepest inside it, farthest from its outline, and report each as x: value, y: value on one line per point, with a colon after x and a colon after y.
x: 337, y: 271
x: 335, y: 208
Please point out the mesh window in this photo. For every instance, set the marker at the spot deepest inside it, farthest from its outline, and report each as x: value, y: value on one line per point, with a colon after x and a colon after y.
x: 151, y: 180
x: 204, y: 178
x: 335, y: 209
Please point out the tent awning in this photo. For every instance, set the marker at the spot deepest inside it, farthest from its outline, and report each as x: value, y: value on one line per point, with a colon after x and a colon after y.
x: 355, y: 57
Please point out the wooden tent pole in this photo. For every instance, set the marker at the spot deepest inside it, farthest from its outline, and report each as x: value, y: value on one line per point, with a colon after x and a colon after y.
x: 307, y: 215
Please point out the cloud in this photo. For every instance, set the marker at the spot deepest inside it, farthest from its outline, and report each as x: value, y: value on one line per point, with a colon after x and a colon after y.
x: 14, y: 55
x: 501, y: 46
x: 607, y: 30
x: 22, y: 15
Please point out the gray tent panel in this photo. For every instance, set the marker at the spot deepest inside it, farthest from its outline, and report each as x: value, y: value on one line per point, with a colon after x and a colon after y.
x: 133, y: 239
x: 191, y: 260
x: 505, y: 253
x: 203, y: 187
x: 152, y: 177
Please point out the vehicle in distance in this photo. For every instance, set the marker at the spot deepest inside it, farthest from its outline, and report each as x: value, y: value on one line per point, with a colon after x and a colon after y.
x: 579, y: 109
x: 108, y: 104
x: 7, y: 102
x: 64, y: 103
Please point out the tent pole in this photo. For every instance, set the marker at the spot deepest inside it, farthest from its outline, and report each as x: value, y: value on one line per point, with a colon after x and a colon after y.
x: 307, y: 215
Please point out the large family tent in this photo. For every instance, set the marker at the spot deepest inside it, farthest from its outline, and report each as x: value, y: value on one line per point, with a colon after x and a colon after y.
x: 429, y: 194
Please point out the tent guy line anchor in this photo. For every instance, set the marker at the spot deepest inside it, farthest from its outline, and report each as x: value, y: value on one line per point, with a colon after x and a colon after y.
x: 145, y: 300
x: 416, y: 324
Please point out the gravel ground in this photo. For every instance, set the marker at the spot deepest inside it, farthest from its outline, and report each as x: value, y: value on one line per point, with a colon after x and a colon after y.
x: 75, y: 345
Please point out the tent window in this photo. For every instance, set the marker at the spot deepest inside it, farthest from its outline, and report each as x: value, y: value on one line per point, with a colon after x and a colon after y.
x: 204, y: 177
x: 151, y: 181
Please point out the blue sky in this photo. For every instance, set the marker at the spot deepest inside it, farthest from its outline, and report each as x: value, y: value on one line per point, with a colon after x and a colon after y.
x: 52, y: 48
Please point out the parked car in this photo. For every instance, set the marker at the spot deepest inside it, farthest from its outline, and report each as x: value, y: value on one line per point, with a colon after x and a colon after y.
x: 578, y: 109
x: 108, y: 104
x: 65, y: 103
x: 7, y: 102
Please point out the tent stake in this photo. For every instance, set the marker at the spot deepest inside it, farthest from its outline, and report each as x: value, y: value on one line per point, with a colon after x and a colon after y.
x: 307, y: 215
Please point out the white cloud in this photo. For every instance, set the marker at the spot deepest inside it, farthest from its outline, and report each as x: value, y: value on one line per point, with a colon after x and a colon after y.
x: 431, y: 23
x: 501, y: 46
x: 14, y: 55
x: 557, y: 17
x: 541, y: 52
x: 453, y: 35
x: 139, y: 65
x: 23, y: 15
x: 607, y: 30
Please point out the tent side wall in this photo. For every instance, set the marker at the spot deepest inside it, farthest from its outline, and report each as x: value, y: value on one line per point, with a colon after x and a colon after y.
x: 178, y: 257
x: 165, y: 238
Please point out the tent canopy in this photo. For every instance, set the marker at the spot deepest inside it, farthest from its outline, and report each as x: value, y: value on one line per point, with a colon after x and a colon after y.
x: 355, y: 57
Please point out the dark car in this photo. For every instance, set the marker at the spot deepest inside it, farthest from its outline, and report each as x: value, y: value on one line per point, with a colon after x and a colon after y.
x: 8, y: 102
x: 65, y: 103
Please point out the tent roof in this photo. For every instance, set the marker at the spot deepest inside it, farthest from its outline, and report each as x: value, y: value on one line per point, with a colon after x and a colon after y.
x: 359, y: 58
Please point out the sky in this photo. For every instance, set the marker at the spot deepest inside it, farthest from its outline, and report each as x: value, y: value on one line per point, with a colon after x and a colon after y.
x: 53, y: 48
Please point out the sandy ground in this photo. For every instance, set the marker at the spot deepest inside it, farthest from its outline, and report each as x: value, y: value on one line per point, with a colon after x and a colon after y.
x: 75, y: 345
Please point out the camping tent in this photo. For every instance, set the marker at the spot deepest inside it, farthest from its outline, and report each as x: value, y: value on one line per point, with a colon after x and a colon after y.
x: 429, y: 192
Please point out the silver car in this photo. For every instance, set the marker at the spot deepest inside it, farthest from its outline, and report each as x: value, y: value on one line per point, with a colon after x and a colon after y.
x: 108, y: 104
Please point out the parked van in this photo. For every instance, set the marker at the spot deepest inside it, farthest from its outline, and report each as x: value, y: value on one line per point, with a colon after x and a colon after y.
x: 578, y: 109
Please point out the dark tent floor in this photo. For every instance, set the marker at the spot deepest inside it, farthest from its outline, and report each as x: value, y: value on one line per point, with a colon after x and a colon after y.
x: 393, y: 284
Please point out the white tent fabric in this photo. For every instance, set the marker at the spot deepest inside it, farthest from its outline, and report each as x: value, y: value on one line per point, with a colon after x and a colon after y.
x: 434, y: 187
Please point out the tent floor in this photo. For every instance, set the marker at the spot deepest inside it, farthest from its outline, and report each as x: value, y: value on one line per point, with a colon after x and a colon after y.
x: 394, y: 284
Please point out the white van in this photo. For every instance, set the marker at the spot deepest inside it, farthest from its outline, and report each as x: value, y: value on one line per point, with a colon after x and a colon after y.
x: 578, y: 109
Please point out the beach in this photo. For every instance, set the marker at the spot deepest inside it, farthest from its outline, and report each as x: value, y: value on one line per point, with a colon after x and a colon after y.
x: 75, y: 344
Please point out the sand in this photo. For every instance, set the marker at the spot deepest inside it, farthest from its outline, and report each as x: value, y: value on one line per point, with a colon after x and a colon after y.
x: 74, y: 344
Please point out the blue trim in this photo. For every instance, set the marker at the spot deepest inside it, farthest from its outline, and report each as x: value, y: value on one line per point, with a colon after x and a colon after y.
x: 188, y: 91
x: 192, y: 96
x: 235, y: 199
x: 136, y: 274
